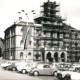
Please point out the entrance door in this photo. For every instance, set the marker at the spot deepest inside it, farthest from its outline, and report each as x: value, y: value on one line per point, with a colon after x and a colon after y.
x: 49, y: 58
x: 63, y: 57
x: 56, y: 57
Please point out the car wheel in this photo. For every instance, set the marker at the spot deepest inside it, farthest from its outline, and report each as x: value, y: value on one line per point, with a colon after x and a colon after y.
x: 36, y: 73
x: 55, y: 73
x: 23, y: 71
x: 13, y: 69
x: 67, y: 77
x: 6, y: 68
x: 59, y: 76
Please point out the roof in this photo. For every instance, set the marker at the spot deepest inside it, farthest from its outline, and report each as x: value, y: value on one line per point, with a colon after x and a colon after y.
x: 18, y: 23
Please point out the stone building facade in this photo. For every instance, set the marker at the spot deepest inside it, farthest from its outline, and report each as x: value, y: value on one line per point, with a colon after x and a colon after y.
x: 13, y: 36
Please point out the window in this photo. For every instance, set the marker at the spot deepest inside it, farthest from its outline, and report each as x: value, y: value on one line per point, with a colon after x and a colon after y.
x: 29, y: 42
x: 21, y: 54
x: 73, y: 36
x: 45, y: 43
x: 61, y: 36
x: 46, y: 66
x: 61, y: 43
x: 44, y: 34
x: 78, y: 36
x: 13, y: 42
x: 55, y: 42
x: 37, y: 56
x: 12, y: 32
x: 66, y: 35
x: 49, y: 43
x: 7, y: 34
x: 54, y: 35
x: 79, y: 45
x: 48, y: 35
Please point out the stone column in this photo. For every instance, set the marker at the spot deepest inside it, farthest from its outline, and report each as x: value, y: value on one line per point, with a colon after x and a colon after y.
x: 65, y: 56
x: 59, y: 56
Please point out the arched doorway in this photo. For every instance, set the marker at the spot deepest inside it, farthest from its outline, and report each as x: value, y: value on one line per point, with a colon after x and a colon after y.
x: 56, y: 57
x: 63, y: 57
x: 21, y: 55
x: 49, y: 58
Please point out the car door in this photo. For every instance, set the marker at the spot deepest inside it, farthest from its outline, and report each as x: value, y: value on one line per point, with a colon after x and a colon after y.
x: 46, y: 70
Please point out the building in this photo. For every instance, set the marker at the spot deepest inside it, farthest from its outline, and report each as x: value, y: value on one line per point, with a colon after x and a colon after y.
x: 13, y: 37
x: 1, y: 47
x: 52, y: 39
x: 47, y: 39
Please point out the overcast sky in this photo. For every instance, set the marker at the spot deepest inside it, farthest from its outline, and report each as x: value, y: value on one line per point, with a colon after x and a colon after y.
x: 69, y: 9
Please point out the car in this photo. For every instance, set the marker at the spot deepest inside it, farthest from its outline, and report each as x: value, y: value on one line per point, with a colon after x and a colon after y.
x: 74, y: 68
x: 64, y: 65
x: 6, y: 64
x: 75, y: 64
x: 42, y: 69
x: 69, y: 75
x: 24, y: 68
x: 12, y: 67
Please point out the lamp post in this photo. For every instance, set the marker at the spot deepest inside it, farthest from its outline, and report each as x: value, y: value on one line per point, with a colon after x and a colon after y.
x: 28, y: 27
x: 26, y: 15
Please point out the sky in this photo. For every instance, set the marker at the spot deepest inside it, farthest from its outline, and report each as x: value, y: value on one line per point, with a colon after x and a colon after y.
x: 69, y: 9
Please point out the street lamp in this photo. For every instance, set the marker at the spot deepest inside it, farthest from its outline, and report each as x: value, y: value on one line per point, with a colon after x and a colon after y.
x: 26, y: 14
x: 28, y: 27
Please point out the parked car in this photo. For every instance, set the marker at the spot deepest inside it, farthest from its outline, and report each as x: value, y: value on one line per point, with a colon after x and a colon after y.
x: 69, y: 75
x: 12, y: 67
x: 25, y: 68
x: 75, y: 64
x: 42, y: 69
x: 74, y: 68
x: 6, y: 64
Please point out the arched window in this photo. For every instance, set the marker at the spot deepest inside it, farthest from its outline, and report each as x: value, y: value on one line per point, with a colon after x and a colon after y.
x: 29, y: 53
x: 21, y: 55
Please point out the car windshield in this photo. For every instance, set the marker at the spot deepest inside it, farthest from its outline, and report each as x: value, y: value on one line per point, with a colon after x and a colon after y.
x: 71, y: 67
x: 9, y: 62
x: 63, y: 69
x: 28, y: 65
x: 74, y: 68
